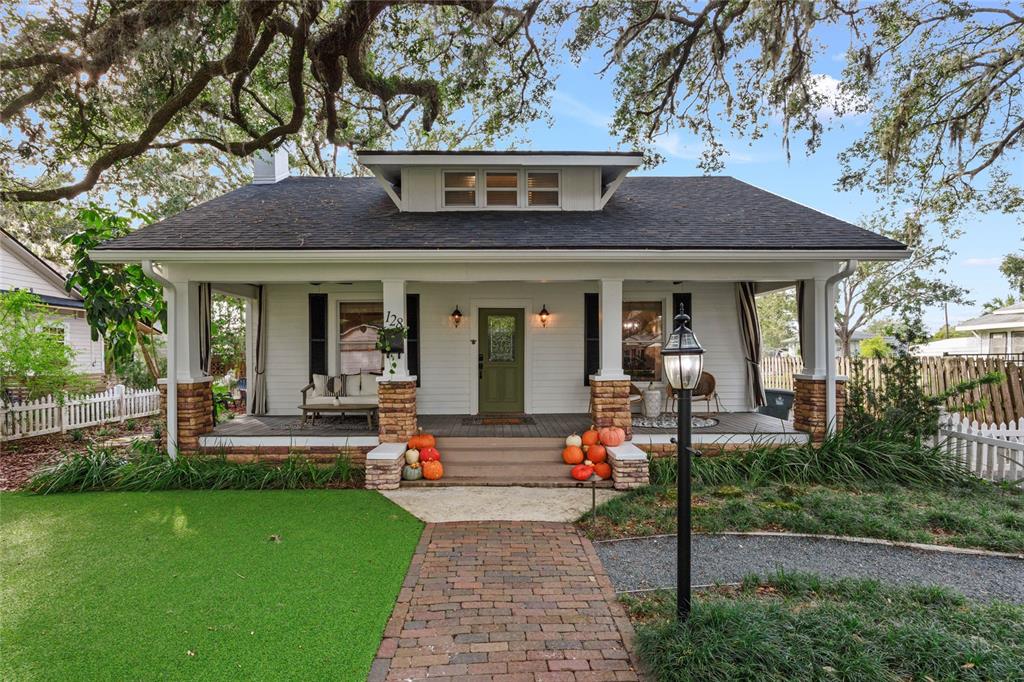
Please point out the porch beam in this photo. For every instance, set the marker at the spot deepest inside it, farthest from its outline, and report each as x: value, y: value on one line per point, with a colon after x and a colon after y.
x: 611, y: 331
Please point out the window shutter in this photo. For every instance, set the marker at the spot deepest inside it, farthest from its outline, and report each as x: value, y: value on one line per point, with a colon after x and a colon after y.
x: 412, y: 342
x: 591, y: 336
x: 317, y: 334
x: 687, y: 301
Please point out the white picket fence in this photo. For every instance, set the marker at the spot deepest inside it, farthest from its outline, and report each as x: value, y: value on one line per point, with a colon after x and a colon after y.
x: 45, y: 415
x: 991, y: 451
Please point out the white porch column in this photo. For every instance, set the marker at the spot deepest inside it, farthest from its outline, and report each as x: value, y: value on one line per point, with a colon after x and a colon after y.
x: 394, y: 306
x: 611, y: 331
x: 186, y: 331
x: 250, y: 350
x: 815, y: 354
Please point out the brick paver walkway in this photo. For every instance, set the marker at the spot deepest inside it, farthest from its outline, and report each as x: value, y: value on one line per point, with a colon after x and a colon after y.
x: 505, y: 601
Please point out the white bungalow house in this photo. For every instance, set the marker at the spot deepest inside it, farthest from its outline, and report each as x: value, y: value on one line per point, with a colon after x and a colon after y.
x: 536, y: 288
x: 999, y: 333
x: 21, y: 269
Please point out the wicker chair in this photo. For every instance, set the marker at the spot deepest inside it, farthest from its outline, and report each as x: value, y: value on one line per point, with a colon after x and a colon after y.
x: 704, y: 390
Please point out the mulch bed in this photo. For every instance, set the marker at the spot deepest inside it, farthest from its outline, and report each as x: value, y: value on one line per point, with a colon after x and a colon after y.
x: 20, y: 459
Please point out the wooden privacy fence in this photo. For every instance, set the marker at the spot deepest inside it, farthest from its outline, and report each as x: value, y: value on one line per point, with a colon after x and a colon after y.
x: 991, y: 451
x: 46, y: 415
x: 1003, y: 403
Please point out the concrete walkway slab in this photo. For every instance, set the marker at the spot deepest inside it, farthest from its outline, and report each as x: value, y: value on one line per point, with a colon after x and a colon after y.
x: 506, y: 601
x: 440, y: 505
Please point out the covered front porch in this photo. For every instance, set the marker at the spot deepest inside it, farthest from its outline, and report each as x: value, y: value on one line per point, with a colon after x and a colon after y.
x: 728, y: 427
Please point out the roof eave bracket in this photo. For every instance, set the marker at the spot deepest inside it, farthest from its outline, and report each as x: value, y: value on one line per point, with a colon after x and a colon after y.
x: 388, y: 187
x: 610, y: 188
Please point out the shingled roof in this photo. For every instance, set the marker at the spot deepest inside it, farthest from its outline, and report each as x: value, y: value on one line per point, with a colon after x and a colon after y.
x: 719, y: 213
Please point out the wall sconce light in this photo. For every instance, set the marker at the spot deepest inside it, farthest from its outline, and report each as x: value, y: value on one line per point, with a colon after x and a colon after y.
x: 456, y: 317
x: 544, y: 316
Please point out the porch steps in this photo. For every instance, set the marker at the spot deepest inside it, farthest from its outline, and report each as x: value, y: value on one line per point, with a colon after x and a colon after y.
x: 530, y: 462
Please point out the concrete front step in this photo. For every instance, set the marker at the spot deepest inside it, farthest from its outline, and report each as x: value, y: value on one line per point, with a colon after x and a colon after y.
x: 451, y: 481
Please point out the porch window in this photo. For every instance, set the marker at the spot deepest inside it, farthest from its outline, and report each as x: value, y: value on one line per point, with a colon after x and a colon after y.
x: 641, y: 340
x: 460, y: 188
x: 358, y: 324
x: 502, y: 188
x: 1017, y: 342
x: 543, y: 189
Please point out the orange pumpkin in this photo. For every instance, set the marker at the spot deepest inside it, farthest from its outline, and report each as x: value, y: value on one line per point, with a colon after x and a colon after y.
x: 422, y: 440
x: 597, y: 453
x: 590, y: 436
x: 612, y: 436
x: 582, y: 472
x: 429, y: 455
x: 604, y: 470
x: 570, y: 455
x: 432, y: 470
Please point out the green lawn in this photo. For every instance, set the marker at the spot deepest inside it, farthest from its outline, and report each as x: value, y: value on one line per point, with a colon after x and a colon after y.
x: 798, y: 627
x: 191, y: 584
x: 983, y: 516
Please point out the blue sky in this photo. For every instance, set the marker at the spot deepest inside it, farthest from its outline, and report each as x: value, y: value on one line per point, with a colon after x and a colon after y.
x: 583, y: 105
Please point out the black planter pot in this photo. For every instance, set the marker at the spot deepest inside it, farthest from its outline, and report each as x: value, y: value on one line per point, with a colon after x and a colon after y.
x: 394, y: 340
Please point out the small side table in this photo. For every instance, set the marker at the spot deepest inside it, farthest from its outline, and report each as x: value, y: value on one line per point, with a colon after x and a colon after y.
x: 654, y: 401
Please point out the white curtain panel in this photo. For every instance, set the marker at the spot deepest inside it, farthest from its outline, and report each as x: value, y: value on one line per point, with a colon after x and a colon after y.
x: 258, y: 385
x: 750, y: 337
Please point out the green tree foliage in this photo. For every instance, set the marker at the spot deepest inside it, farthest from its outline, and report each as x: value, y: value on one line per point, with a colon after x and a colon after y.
x: 122, y: 305
x: 1013, y: 269
x: 938, y: 83
x: 776, y: 311
x: 875, y: 347
x: 227, y: 331
x: 99, y: 90
x: 30, y: 356
x: 997, y: 303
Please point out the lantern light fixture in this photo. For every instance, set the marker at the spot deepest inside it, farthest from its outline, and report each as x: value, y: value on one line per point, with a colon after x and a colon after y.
x: 544, y: 316
x: 456, y: 317
x: 683, y: 355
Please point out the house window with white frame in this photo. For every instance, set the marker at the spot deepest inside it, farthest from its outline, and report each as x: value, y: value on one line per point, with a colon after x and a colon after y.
x: 641, y: 340
x: 502, y: 188
x: 460, y: 188
x: 1017, y: 342
x: 543, y: 188
x: 358, y: 323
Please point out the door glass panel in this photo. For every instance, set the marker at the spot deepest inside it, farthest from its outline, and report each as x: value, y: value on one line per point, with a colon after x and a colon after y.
x: 501, y: 334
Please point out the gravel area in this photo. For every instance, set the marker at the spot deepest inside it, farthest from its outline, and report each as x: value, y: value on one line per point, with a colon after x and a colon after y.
x: 646, y: 563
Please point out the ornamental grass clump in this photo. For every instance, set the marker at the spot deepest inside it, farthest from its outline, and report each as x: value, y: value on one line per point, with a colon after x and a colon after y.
x: 145, y: 468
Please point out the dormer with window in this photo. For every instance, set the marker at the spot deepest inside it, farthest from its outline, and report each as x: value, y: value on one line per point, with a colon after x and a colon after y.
x: 499, y: 181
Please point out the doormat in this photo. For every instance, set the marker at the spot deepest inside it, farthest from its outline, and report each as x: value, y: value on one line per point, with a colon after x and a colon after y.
x: 499, y: 420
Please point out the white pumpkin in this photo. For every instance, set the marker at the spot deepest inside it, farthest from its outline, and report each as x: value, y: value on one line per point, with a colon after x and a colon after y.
x: 574, y: 440
x: 588, y: 462
x: 412, y: 456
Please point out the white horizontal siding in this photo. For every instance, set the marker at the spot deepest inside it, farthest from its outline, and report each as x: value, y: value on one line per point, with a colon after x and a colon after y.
x: 15, y: 274
x: 88, y: 353
x: 554, y: 355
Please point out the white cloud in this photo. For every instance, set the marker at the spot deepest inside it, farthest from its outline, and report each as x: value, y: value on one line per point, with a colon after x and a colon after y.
x: 835, y: 100
x: 983, y: 262
x: 573, y: 108
x: 673, y: 145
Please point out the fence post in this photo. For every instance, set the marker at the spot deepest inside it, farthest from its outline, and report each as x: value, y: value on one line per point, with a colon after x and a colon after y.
x: 119, y: 393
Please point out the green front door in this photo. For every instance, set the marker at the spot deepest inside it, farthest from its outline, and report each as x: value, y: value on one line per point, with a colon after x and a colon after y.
x: 501, y: 360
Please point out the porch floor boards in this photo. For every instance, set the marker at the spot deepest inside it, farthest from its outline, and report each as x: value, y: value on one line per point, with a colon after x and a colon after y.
x: 453, y: 426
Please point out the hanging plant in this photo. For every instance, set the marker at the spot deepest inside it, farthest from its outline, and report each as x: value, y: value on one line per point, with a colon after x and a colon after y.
x: 391, y: 340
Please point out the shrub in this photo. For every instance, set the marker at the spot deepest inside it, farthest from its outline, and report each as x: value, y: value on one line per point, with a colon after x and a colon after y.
x: 144, y: 468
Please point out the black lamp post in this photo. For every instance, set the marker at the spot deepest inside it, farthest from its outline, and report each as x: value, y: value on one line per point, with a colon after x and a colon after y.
x: 683, y: 358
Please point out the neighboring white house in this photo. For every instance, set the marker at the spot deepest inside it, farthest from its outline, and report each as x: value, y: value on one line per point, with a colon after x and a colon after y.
x: 500, y: 237
x: 957, y: 345
x: 22, y: 269
x: 1000, y: 332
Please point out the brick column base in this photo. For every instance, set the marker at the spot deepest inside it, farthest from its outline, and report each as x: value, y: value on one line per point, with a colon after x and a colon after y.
x: 609, y: 404
x: 809, y: 405
x: 629, y: 466
x: 384, y: 466
x: 195, y: 412
x: 396, y: 417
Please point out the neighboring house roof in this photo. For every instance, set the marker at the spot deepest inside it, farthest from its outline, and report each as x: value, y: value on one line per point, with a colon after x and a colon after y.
x: 45, y: 270
x: 1010, y: 317
x: 650, y: 213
